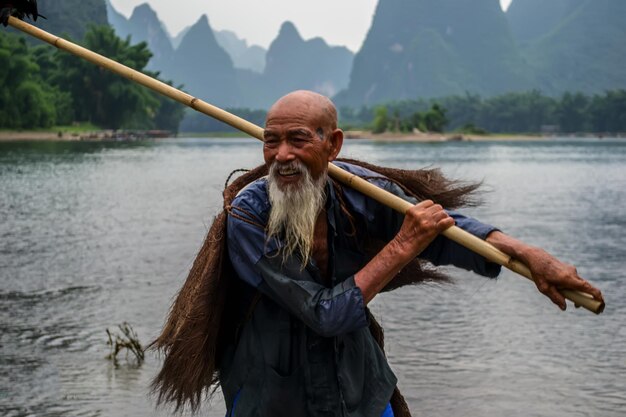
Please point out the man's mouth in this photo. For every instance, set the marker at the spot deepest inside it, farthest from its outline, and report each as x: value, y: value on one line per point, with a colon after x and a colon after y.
x: 288, y: 171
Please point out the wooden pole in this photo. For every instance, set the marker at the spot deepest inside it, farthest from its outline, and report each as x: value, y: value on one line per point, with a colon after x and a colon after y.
x: 454, y: 233
x: 460, y: 236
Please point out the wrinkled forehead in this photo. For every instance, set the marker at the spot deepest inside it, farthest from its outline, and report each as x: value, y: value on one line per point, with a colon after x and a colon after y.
x: 307, y: 111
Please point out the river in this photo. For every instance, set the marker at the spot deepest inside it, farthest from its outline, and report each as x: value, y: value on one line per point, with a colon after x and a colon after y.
x: 96, y: 234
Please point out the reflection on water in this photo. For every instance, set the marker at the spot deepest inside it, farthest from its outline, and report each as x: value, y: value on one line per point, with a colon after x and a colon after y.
x: 94, y: 234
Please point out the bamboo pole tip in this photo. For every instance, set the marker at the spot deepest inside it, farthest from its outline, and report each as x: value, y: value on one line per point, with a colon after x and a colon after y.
x: 600, y: 308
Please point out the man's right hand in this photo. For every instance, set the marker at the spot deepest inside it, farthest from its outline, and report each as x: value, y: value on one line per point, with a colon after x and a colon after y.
x: 422, y: 223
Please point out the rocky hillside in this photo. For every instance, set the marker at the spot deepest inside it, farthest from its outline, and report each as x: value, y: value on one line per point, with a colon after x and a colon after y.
x: 294, y: 63
x: 531, y: 19
x: 577, y: 45
x: 219, y: 66
x: 246, y: 57
x: 205, y: 69
x: 71, y: 17
x: 430, y: 48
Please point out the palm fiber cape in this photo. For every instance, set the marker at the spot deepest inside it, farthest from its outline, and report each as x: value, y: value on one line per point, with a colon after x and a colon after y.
x: 199, y: 324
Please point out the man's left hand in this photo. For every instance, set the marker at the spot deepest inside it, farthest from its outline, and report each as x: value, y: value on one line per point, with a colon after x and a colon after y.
x: 549, y: 273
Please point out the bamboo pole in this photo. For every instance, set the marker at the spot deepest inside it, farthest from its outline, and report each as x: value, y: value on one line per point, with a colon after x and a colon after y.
x: 454, y: 233
x: 460, y: 236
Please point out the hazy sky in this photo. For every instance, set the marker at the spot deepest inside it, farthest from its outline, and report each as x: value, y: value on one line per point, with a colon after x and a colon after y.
x: 339, y: 22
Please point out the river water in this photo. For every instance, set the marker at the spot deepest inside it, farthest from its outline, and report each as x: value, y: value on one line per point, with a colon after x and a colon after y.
x: 96, y: 234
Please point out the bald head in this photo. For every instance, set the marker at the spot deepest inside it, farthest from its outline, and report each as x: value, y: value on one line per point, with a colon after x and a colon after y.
x: 306, y: 107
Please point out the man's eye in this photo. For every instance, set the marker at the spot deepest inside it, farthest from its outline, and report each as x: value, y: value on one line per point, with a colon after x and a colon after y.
x: 271, y: 142
x: 299, y: 141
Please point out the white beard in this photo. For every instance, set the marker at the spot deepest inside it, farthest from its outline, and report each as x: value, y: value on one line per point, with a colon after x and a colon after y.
x: 294, y: 210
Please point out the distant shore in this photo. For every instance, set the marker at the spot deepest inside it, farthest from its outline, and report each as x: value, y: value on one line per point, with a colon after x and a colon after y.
x: 442, y: 137
x: 87, y: 135
x: 9, y: 135
x: 419, y: 137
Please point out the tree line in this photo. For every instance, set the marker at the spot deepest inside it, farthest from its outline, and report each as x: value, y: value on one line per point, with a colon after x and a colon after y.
x: 519, y: 112
x: 43, y: 87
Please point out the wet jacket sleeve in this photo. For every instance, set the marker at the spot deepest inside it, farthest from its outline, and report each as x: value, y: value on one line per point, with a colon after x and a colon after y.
x: 442, y: 251
x: 329, y: 311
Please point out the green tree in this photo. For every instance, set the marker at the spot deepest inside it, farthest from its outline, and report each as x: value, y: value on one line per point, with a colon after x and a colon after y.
x: 416, y: 120
x: 396, y: 125
x: 608, y: 112
x: 462, y: 110
x: 63, y: 105
x: 515, y: 112
x: 573, y: 113
x: 518, y: 112
x: 381, y: 120
x: 102, y: 97
x: 32, y: 104
x: 42, y: 88
x: 435, y: 119
x: 169, y: 114
x: 26, y: 100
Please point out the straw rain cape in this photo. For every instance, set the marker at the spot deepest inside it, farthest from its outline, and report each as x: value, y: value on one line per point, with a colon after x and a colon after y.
x: 200, y: 325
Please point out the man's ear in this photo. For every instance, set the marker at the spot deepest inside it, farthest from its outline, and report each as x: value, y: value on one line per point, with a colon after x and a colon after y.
x: 336, y: 142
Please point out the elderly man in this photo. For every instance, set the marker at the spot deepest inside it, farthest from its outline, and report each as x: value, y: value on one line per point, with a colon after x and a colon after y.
x: 303, y: 343
x: 305, y: 348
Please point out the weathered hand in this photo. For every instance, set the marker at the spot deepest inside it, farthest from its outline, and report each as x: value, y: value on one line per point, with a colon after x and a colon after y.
x: 422, y: 223
x: 550, y: 275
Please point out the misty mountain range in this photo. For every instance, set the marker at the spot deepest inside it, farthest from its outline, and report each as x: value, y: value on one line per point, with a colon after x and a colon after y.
x: 434, y: 48
x: 222, y: 69
x: 413, y: 49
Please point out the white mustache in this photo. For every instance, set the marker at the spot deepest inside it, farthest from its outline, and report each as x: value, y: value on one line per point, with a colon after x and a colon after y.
x: 289, y: 168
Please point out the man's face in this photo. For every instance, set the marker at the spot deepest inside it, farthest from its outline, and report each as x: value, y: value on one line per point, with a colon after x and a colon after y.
x: 296, y: 130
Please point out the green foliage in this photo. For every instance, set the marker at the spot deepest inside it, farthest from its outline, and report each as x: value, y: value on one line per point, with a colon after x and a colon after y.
x: 472, y: 129
x: 26, y: 100
x: 169, y: 114
x: 432, y: 120
x: 518, y: 112
x: 43, y: 87
x: 525, y: 112
x: 33, y: 106
x: 571, y: 113
x: 435, y: 120
x: 608, y: 113
x: 100, y: 96
x: 381, y: 121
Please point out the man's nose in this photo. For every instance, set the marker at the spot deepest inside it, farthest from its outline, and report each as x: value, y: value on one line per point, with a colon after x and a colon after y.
x: 284, y: 153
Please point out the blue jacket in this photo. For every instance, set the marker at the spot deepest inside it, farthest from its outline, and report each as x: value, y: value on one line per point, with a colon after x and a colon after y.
x: 305, y: 348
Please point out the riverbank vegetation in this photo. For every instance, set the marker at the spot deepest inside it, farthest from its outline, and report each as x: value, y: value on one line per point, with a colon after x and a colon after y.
x: 513, y: 113
x: 43, y: 87
x: 521, y: 112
